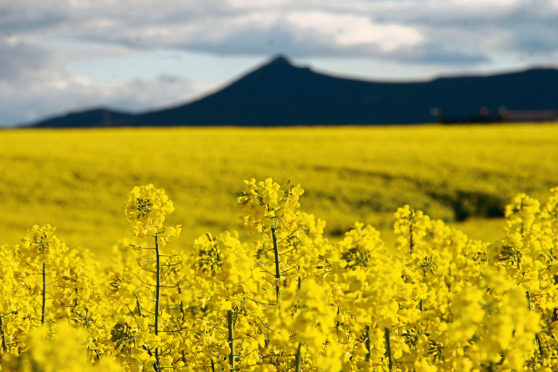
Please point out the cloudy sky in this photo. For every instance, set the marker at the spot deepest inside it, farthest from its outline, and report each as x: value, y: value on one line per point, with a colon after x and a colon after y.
x: 61, y: 55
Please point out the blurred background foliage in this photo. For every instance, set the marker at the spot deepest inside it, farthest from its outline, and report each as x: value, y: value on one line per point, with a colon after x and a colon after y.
x: 78, y: 180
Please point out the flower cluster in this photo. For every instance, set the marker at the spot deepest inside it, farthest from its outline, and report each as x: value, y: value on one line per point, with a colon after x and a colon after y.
x: 266, y: 205
x: 146, y: 210
x: 288, y: 298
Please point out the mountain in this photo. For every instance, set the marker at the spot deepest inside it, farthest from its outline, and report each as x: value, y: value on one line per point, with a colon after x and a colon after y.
x: 99, y: 117
x: 280, y: 93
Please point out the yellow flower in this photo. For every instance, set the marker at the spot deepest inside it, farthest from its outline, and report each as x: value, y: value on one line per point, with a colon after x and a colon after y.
x: 146, y: 210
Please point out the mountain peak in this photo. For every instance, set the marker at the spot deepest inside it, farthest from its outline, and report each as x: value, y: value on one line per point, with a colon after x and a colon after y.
x: 280, y: 59
x: 279, y: 65
x: 281, y: 93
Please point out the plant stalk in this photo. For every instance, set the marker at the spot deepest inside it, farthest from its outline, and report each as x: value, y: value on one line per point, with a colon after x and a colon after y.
x: 367, y: 343
x: 537, y: 337
x: 231, y: 339
x: 277, y: 264
x: 388, y: 349
x: 298, y: 359
x: 43, y: 312
x: 337, y: 324
x: 138, y: 306
x: 411, y: 240
x: 4, y: 344
x: 157, y: 298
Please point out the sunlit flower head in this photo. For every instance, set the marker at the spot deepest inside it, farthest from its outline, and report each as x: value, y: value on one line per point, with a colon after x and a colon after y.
x: 146, y: 210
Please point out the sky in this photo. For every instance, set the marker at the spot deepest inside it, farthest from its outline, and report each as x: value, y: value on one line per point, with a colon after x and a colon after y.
x: 58, y: 56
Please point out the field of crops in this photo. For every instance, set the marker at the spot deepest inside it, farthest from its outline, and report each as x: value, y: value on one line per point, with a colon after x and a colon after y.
x: 77, y: 179
x: 289, y: 299
x: 172, y: 286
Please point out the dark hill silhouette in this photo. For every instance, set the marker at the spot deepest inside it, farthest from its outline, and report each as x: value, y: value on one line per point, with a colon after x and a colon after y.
x: 279, y: 93
x: 98, y: 117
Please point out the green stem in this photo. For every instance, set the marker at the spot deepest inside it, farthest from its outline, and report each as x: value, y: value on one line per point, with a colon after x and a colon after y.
x: 388, y: 349
x: 537, y: 338
x: 138, y: 306
x: 181, y: 306
x: 231, y: 339
x: 411, y: 240
x: 367, y: 343
x: 157, y: 298
x: 277, y: 265
x: 539, y: 345
x: 4, y: 344
x: 298, y: 359
x: 337, y: 324
x: 43, y: 313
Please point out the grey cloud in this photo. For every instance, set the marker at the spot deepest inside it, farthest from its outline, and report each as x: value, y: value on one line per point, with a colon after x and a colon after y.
x: 21, y: 61
x: 441, y: 55
x: 21, y: 17
x: 525, y: 28
x: 186, y: 25
x: 171, y: 79
x: 533, y: 31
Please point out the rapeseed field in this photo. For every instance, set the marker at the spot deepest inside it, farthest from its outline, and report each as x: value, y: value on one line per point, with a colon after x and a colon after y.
x: 287, y: 299
x: 77, y: 179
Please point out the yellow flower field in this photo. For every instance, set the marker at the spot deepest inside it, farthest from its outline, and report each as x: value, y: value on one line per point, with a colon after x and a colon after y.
x: 77, y: 179
x: 289, y: 299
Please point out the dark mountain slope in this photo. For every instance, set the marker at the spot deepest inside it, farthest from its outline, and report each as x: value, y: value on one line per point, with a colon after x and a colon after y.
x: 99, y: 117
x: 276, y: 94
x: 279, y: 93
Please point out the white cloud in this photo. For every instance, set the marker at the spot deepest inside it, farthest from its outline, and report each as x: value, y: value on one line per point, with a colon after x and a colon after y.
x: 34, y: 84
x: 76, y: 93
x: 349, y: 30
x: 300, y: 27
